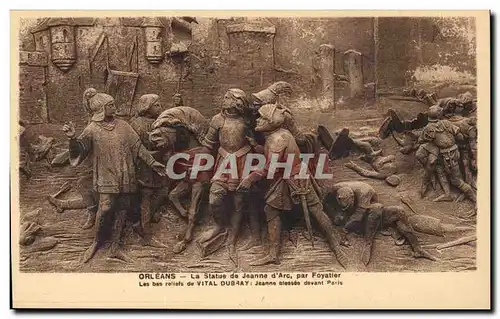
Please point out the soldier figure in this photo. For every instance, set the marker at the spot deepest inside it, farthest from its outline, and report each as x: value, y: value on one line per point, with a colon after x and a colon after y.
x: 152, y: 187
x: 468, y: 147
x: 230, y: 136
x: 355, y: 207
x: 115, y: 148
x: 285, y: 192
x: 444, y: 136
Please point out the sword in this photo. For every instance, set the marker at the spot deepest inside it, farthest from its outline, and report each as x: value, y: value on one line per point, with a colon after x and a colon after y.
x: 305, y: 209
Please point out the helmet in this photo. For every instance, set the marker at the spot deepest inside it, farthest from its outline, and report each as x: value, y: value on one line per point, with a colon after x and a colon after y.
x: 273, y: 113
x: 434, y: 113
x: 345, y: 196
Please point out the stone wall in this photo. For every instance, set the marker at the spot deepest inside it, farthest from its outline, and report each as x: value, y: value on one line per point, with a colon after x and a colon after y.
x: 133, y: 56
x: 426, y: 50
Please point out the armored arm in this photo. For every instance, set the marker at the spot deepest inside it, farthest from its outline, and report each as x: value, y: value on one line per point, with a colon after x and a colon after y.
x: 211, y: 139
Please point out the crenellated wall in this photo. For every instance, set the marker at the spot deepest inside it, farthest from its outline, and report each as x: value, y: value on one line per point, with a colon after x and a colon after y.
x: 128, y: 57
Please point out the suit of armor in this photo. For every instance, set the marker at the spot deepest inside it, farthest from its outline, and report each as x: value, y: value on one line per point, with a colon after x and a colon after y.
x: 229, y: 136
x: 284, y: 192
x: 468, y: 147
x: 444, y: 135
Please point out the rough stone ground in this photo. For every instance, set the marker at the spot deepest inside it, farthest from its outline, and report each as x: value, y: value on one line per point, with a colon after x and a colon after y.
x: 387, y: 257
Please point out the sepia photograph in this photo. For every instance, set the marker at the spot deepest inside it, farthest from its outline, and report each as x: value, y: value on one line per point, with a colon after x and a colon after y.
x: 254, y: 144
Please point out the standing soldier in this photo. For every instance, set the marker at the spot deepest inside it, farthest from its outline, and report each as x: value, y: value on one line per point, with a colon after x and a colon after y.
x: 444, y: 136
x: 115, y: 149
x: 285, y: 192
x: 229, y: 135
x: 152, y: 187
x: 468, y: 147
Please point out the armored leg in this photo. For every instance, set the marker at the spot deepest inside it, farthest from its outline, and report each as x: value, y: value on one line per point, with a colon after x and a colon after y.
x: 453, y: 170
x: 466, y: 161
x: 408, y: 233
x: 86, y: 200
x: 216, y: 199
x: 330, y: 232
x: 364, y: 147
x: 396, y: 216
x: 445, y: 185
x: 372, y: 225
x: 364, y: 172
x: 239, y: 200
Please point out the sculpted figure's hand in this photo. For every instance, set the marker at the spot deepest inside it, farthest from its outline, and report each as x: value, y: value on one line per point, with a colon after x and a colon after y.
x: 244, y: 186
x: 159, y: 168
x: 69, y: 129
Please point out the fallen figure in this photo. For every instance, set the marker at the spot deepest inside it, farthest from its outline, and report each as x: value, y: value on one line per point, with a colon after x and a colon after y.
x: 341, y: 144
x: 29, y: 237
x: 354, y: 206
x: 384, y: 169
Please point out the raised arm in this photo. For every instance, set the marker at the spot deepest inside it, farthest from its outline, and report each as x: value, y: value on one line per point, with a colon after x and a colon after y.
x: 81, y: 147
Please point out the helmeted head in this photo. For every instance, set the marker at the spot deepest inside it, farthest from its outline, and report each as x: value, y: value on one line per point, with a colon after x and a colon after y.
x: 149, y: 104
x: 466, y: 98
x: 177, y: 100
x: 271, y: 117
x: 270, y: 94
x: 235, y: 99
x: 345, y: 197
x: 434, y: 113
x: 99, y: 105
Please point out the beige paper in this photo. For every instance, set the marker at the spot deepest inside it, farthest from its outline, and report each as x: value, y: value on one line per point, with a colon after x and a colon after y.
x: 48, y: 276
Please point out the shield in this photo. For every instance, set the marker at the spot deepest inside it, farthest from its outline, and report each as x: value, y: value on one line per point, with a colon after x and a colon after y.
x: 338, y: 146
x: 385, y: 129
